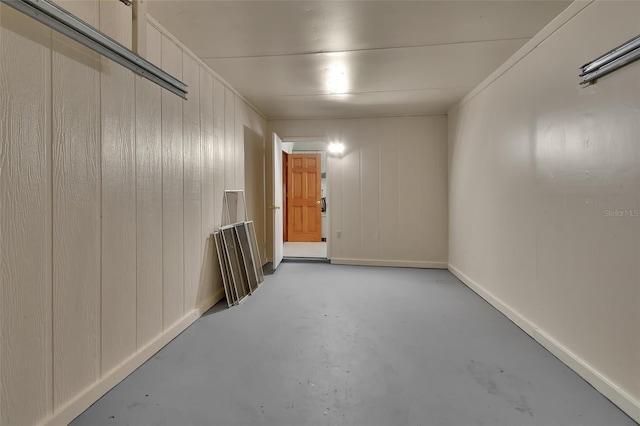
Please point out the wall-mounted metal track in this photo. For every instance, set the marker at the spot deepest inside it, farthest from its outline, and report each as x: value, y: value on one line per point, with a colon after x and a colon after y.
x: 610, y: 61
x: 65, y: 23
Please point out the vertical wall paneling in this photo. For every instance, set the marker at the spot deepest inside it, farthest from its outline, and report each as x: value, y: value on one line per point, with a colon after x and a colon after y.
x: 206, y: 285
x: 351, y: 201
x: 389, y: 211
x: 238, y: 134
x: 116, y: 21
x: 229, y: 140
x: 172, y: 191
x: 544, y: 195
x: 218, y: 168
x: 436, y: 243
x: 334, y: 211
x: 76, y: 211
x: 25, y: 220
x: 153, y: 50
x: 370, y: 192
x: 118, y: 196
x: 99, y: 198
x: 254, y: 183
x: 388, y: 191
x: 192, y: 185
x: 410, y: 203
x: 140, y: 28
x: 219, y: 149
x: 4, y: 90
x: 149, y: 199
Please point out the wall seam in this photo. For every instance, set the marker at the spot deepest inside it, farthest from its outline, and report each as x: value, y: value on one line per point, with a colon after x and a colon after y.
x: 182, y: 104
x: 201, y: 246
x: 396, y: 250
x: 135, y: 198
x: 201, y: 235
x: 161, y: 198
x: 379, y: 194
x: 51, y: 188
x: 99, y: 9
x: 361, y: 198
x: 236, y: 161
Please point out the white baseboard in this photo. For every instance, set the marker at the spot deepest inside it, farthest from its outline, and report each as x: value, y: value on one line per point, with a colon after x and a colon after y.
x: 604, y: 385
x: 64, y: 415
x: 208, y: 304
x: 394, y: 263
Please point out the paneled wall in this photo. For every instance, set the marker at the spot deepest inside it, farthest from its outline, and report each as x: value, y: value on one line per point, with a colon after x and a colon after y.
x: 254, y: 183
x: 545, y: 194
x: 110, y: 187
x: 387, y: 195
x: 26, y: 228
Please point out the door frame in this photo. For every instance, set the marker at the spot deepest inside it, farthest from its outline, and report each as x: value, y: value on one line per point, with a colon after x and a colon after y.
x: 285, y: 193
x: 328, y: 178
x: 276, y: 200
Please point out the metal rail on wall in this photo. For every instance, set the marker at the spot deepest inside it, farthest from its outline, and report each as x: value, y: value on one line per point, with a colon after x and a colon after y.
x: 610, y: 61
x: 73, y: 27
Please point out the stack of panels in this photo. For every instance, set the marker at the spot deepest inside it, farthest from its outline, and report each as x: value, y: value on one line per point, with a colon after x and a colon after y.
x: 240, y: 262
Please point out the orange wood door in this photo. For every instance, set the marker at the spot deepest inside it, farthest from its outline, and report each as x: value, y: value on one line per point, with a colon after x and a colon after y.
x: 285, y: 209
x: 304, y: 198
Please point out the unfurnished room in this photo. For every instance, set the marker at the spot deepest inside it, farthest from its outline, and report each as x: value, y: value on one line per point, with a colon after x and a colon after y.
x: 290, y: 213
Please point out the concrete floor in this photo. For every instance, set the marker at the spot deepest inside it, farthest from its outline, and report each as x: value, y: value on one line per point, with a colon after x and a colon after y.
x: 313, y: 250
x: 322, y: 344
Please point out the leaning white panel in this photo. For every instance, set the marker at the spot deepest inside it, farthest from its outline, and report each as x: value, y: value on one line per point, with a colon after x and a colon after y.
x: 235, y: 258
x: 247, y: 258
x: 257, y: 259
x: 234, y: 207
x: 229, y: 292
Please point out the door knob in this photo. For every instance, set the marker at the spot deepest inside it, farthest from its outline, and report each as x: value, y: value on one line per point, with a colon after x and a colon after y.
x: 318, y: 202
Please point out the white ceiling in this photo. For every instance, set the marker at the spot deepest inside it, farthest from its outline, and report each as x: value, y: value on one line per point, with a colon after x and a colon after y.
x: 398, y: 57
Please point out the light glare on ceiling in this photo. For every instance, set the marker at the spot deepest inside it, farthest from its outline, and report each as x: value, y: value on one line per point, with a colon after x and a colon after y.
x: 337, y: 82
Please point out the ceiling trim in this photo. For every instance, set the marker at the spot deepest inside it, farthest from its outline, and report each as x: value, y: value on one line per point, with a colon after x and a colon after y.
x: 558, y: 22
x: 296, y: 139
x: 368, y: 49
x: 353, y: 117
x: 151, y: 20
x: 366, y: 92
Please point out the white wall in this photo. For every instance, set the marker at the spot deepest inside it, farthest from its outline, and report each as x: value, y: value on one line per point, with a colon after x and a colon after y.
x: 388, y: 192
x: 110, y: 187
x: 535, y: 164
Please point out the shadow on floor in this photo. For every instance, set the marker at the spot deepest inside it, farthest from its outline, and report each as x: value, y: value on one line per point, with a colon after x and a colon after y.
x: 268, y: 269
x: 220, y: 306
x: 306, y: 259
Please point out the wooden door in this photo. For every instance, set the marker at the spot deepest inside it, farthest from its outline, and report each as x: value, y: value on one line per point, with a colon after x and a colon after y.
x: 285, y: 210
x: 304, y: 198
